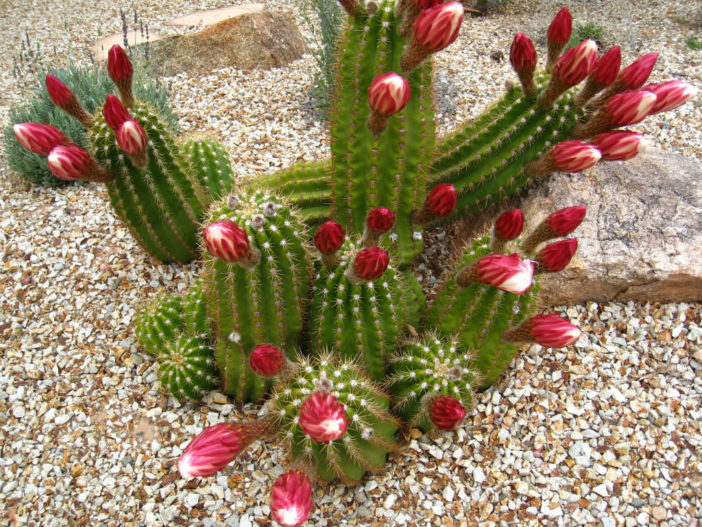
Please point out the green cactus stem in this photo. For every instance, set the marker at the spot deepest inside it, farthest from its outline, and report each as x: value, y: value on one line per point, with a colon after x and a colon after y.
x: 425, y: 369
x: 371, y: 431
x: 210, y: 162
x: 262, y: 304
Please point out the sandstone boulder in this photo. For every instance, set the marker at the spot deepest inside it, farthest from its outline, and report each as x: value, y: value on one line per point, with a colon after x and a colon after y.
x: 249, y: 40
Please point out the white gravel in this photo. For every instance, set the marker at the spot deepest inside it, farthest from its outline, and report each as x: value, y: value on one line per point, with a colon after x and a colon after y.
x: 606, y: 433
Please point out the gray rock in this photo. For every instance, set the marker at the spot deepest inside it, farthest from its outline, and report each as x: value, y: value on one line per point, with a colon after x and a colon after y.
x: 642, y: 237
x: 247, y: 41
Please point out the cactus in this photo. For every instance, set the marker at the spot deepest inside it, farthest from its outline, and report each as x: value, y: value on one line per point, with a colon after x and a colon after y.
x: 257, y: 295
x: 174, y: 329
x: 158, y: 188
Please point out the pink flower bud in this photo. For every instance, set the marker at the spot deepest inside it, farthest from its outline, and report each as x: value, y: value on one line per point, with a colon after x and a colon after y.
x: 291, y: 499
x: 446, y: 413
x: 564, y: 221
x: 69, y: 162
x: 426, y: 4
x: 329, y: 237
x: 213, y: 449
x: 630, y: 107
x: 574, y: 156
x: 114, y: 112
x: 437, y: 27
x: 552, y: 331
x: 131, y: 138
x: 561, y: 27
x: 620, y: 145
x: 226, y: 240
x: 636, y: 74
x: 389, y: 93
x: 607, y: 67
x: 266, y: 360
x: 323, y: 418
x: 670, y: 95
x: 506, y: 272
x: 58, y: 91
x: 556, y: 256
x: 119, y: 67
x: 522, y: 54
x: 509, y: 225
x: 371, y: 263
x: 39, y: 138
x: 380, y: 220
x: 576, y: 63
x: 442, y: 199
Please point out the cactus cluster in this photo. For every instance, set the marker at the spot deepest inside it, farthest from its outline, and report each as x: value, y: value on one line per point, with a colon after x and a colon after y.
x: 325, y: 318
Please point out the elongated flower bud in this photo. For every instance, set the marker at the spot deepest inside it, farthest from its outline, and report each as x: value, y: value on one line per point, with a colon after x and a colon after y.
x: 551, y: 331
x: 266, y: 360
x: 446, y: 412
x: 637, y: 73
x: 64, y: 98
x: 433, y: 30
x: 670, y: 95
x: 630, y: 107
x: 370, y: 263
x: 440, y: 202
x: 39, y: 138
x: 380, y: 220
x: 389, y: 93
x: 574, y: 156
x: 509, y: 225
x: 522, y: 56
x: 120, y: 69
x: 602, y: 75
x: 69, y: 162
x: 556, y: 225
x: 323, y: 418
x: 506, y: 272
x: 131, y: 138
x: 556, y: 256
x: 217, y: 446
x: 227, y: 241
x: 620, y: 145
x: 291, y: 499
x: 570, y: 69
x: 114, y: 112
x: 558, y: 36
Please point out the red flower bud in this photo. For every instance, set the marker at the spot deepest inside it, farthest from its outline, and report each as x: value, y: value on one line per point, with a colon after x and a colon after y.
x: 574, y: 156
x: 522, y: 54
x: 556, y: 256
x: 215, y: 447
x: 509, y: 225
x: 607, y: 67
x: 442, y: 200
x: 446, y: 413
x: 119, y: 67
x: 670, y: 94
x: 576, y: 63
x: 114, y: 112
x: 58, y: 91
x: 552, y: 331
x: 630, y: 107
x: 291, y: 499
x: 323, y: 418
x: 329, y: 237
x: 426, y: 4
x: 389, y: 93
x: 506, y: 272
x: 371, y: 263
x: 69, y: 162
x: 266, y: 360
x: 561, y: 27
x: 131, y: 138
x: 437, y: 27
x: 564, y: 221
x: 39, y: 138
x: 380, y: 220
x: 226, y: 240
x: 620, y: 145
x: 636, y: 74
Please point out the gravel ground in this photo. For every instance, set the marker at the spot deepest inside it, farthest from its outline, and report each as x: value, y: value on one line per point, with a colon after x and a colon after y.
x: 606, y: 433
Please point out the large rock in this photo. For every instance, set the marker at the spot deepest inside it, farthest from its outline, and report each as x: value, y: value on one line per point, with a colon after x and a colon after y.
x: 642, y: 236
x: 250, y: 40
